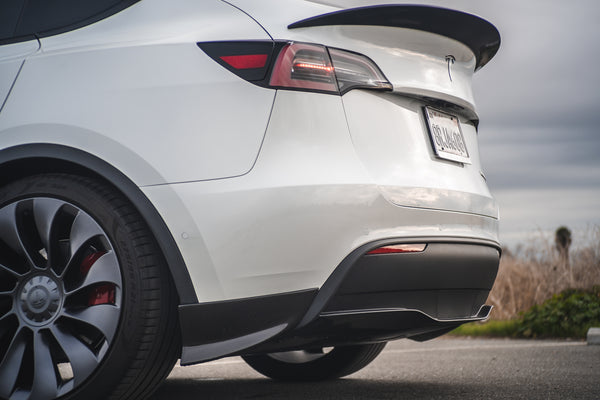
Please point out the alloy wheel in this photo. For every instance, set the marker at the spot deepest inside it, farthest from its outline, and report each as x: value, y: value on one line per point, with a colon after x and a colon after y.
x: 60, y: 297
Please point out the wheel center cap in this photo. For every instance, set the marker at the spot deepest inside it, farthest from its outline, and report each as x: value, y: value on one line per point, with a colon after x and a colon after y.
x: 39, y: 300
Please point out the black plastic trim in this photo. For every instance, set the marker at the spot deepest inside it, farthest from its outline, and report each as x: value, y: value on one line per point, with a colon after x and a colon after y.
x: 333, y: 283
x: 272, y: 323
x: 437, y: 303
x: 449, y: 107
x: 476, y: 33
x: 207, y: 352
x: 365, y: 326
x: 35, y: 153
x: 440, y: 266
x: 234, y: 325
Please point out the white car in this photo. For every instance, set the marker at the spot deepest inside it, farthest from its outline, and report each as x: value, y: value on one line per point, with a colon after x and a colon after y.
x: 287, y: 181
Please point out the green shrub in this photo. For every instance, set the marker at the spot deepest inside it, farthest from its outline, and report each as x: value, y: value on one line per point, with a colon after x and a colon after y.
x: 490, y: 328
x: 567, y: 314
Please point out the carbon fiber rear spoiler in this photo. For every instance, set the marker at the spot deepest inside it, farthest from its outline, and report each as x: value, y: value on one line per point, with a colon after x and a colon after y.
x: 476, y: 33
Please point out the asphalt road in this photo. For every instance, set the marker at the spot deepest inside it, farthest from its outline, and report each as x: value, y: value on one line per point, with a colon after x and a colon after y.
x: 438, y: 369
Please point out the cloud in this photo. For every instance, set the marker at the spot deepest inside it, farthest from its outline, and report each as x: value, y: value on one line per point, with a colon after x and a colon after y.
x: 541, y: 157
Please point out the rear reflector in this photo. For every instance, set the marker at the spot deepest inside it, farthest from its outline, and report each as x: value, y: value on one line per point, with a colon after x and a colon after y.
x: 399, y: 248
x: 246, y: 61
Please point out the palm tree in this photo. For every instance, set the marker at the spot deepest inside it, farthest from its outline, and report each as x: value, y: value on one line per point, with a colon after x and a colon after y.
x: 562, y: 241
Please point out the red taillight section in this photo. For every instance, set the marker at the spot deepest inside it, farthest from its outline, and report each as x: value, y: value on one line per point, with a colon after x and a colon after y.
x: 104, y: 294
x: 88, y: 261
x: 250, y: 60
x: 246, y: 61
x: 398, y: 248
x: 304, y: 66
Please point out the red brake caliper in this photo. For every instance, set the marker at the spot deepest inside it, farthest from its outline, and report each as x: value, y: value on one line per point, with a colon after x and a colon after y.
x: 103, y: 294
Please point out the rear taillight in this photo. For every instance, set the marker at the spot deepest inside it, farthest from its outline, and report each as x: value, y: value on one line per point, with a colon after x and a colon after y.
x: 304, y: 66
x: 298, y: 66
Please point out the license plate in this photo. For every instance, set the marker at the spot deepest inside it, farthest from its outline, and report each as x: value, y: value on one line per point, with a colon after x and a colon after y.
x: 446, y: 137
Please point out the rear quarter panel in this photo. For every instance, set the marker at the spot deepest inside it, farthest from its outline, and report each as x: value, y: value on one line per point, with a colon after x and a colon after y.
x: 138, y: 81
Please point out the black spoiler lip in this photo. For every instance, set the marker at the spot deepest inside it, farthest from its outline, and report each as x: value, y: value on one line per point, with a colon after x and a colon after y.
x: 476, y: 33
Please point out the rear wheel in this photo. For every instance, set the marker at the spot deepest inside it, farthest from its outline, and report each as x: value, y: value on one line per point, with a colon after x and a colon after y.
x: 87, y: 307
x: 315, y: 364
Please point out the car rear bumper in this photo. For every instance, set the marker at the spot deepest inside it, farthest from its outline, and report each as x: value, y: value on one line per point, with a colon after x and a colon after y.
x: 368, y: 298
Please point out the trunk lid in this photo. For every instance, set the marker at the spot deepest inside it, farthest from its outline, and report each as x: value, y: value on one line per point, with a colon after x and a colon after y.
x: 422, y: 50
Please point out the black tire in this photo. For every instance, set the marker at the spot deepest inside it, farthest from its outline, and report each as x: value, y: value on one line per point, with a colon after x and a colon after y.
x: 315, y: 365
x: 88, y: 309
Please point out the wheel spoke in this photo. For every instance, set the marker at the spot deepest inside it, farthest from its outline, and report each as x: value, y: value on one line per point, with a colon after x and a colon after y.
x: 83, y: 361
x: 8, y: 228
x: 45, y: 385
x: 105, y: 269
x: 3, y: 317
x: 20, y: 395
x: 10, y: 271
x: 10, y: 234
x: 11, y: 365
x: 84, y: 228
x: 4, y: 323
x: 44, y: 211
x: 104, y: 317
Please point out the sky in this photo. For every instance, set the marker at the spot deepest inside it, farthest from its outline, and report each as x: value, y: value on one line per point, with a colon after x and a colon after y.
x: 539, y: 105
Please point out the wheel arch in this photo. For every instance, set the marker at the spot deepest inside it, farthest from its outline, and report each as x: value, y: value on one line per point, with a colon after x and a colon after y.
x: 29, y: 159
